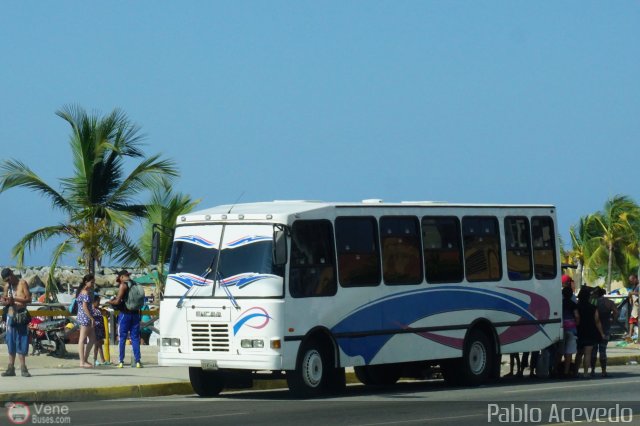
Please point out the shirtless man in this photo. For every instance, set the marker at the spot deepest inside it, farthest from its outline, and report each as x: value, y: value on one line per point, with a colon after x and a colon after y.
x: 16, y: 296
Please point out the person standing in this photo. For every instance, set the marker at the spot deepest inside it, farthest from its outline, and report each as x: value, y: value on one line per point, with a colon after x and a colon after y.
x: 570, y: 319
x: 84, y: 298
x: 98, y: 316
x: 606, y: 308
x: 633, y: 306
x: 589, y: 329
x: 128, y: 321
x: 16, y: 297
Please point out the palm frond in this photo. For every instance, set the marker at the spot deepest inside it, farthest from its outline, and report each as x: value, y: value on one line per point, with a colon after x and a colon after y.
x: 125, y: 251
x: 150, y: 173
x: 51, y: 288
x: 34, y: 239
x: 14, y: 173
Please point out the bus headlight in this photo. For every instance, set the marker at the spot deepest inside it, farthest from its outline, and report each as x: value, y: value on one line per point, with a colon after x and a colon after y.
x: 251, y: 343
x: 169, y: 341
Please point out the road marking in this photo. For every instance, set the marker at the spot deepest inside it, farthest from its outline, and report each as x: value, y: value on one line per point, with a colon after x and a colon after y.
x: 173, y: 419
x: 427, y: 419
x: 587, y: 385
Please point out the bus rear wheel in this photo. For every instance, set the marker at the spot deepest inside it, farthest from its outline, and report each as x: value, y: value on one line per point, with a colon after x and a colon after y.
x: 377, y: 375
x: 477, y: 360
x: 206, y: 383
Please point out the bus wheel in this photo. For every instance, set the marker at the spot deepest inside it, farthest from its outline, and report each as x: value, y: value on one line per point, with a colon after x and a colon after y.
x: 311, y: 376
x: 377, y: 375
x: 477, y: 358
x: 206, y: 383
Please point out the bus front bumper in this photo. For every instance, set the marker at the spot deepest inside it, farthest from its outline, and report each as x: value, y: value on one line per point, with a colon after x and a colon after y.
x: 223, y: 361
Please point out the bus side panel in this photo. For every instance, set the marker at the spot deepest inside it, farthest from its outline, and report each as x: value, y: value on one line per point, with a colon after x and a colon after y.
x: 440, y: 314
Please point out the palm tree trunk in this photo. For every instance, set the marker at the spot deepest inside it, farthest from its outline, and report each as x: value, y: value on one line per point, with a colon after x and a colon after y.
x: 609, y: 267
x: 579, y: 274
x: 89, y: 264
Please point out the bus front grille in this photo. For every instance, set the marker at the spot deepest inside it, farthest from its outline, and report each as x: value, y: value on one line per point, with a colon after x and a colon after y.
x: 210, y: 337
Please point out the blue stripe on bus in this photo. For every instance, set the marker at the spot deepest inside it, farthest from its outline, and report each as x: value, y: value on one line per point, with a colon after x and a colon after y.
x: 402, y: 310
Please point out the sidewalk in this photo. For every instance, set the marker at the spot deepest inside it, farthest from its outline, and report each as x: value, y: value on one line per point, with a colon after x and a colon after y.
x: 61, y: 379
x: 56, y: 379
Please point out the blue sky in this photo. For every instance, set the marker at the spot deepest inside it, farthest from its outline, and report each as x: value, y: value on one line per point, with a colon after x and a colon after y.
x: 463, y: 101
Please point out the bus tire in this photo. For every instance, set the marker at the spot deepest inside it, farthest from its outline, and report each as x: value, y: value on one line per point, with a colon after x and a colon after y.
x: 312, y: 374
x: 206, y: 383
x: 377, y: 375
x: 477, y: 358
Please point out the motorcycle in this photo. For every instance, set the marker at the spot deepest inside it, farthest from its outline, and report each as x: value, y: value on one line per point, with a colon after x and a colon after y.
x: 47, y: 336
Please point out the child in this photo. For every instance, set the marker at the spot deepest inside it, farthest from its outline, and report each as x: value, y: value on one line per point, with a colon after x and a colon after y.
x: 100, y: 332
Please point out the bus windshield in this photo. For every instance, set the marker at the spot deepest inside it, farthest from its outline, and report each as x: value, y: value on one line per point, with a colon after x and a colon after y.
x: 245, y: 267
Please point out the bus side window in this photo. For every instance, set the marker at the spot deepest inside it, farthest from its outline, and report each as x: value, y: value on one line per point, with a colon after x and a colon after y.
x: 544, y: 247
x: 401, y: 257
x: 312, y: 272
x: 518, y: 242
x: 442, y: 249
x: 482, y: 259
x: 358, y: 252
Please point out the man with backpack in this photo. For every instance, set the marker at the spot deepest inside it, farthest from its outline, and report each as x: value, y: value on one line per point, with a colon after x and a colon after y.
x: 128, y: 302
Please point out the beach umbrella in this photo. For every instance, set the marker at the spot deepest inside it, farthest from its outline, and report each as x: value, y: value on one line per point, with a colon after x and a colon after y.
x: 150, y: 278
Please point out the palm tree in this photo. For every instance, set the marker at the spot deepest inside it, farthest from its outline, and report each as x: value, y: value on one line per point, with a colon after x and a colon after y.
x: 582, y: 248
x: 162, y: 211
x: 615, y: 229
x: 99, y: 198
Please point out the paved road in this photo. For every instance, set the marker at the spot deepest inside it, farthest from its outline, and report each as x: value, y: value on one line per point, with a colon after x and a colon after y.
x: 410, y: 403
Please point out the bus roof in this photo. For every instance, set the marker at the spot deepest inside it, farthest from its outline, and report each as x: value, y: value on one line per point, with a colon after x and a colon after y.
x: 290, y: 207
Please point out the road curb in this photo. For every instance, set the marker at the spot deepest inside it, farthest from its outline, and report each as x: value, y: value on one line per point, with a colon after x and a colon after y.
x: 130, y: 391
x: 622, y: 360
x: 102, y: 393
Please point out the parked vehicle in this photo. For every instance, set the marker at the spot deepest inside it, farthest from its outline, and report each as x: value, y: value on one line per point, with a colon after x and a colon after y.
x: 620, y: 325
x: 47, y: 336
x: 390, y: 289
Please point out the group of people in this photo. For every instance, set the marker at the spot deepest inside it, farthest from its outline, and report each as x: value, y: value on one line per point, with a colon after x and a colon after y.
x: 16, y: 297
x: 587, y: 327
x: 90, y: 319
x: 586, y: 323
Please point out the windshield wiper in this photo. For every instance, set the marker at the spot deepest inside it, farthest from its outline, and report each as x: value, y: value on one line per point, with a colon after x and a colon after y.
x: 217, y: 276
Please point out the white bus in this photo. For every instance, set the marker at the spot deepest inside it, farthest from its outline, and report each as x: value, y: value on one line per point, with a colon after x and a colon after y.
x: 303, y: 289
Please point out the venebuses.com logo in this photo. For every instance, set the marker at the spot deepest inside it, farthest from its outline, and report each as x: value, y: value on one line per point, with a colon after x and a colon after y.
x: 19, y: 413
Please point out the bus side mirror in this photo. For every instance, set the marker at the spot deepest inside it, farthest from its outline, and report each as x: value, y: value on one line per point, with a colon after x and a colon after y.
x: 279, y: 247
x: 155, y: 247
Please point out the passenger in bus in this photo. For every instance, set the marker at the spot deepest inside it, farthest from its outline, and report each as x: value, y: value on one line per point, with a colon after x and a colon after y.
x: 606, y: 310
x: 589, y: 329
